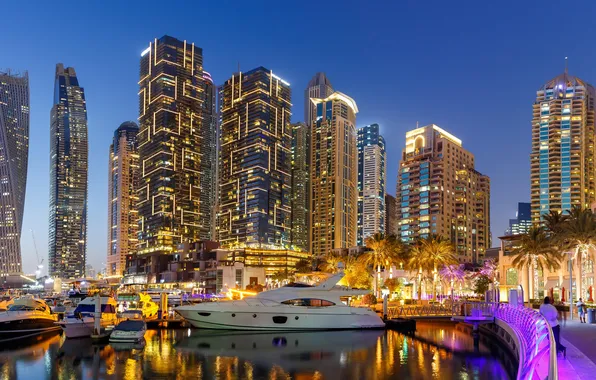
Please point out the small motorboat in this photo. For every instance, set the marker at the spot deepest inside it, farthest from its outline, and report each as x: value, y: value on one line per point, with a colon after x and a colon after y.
x: 129, y: 331
x: 81, y: 323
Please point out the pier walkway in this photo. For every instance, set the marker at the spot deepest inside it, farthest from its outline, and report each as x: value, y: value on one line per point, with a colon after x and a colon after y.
x: 580, y: 339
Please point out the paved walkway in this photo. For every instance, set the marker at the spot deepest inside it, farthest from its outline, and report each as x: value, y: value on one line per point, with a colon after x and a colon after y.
x: 580, y: 339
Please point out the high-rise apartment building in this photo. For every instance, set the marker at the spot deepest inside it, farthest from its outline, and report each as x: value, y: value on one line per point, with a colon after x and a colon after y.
x: 68, y: 177
x: 523, y: 220
x: 334, y: 174
x: 123, y: 180
x: 300, y: 186
x: 14, y: 153
x: 177, y: 152
x: 255, y: 161
x: 562, y: 158
x: 371, y: 182
x: 440, y: 192
x: 319, y: 87
x: 391, y: 219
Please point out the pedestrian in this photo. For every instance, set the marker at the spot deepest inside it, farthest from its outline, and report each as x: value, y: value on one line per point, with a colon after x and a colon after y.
x: 581, y: 310
x: 550, y: 313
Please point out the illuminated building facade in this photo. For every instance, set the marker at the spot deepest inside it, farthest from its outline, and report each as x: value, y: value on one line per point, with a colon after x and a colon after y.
x: 176, y: 140
x: 562, y: 158
x: 255, y: 161
x: 523, y: 220
x: 334, y: 174
x: 123, y: 180
x: 273, y: 260
x: 300, y: 186
x: 439, y: 192
x: 68, y: 177
x: 371, y: 182
x: 391, y: 219
x: 319, y: 87
x: 14, y: 153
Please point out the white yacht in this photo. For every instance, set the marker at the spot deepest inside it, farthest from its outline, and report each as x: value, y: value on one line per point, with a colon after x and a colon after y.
x: 292, y: 307
x: 26, y: 317
x: 129, y: 331
x: 81, y: 322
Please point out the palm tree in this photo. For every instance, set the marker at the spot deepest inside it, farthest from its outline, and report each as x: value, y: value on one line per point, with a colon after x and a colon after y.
x: 429, y: 254
x: 580, y: 234
x: 535, y: 250
x: 452, y: 273
x: 331, y: 261
x: 383, y: 252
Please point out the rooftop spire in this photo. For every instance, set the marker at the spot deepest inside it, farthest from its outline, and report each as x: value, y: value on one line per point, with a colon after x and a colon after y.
x: 566, y: 64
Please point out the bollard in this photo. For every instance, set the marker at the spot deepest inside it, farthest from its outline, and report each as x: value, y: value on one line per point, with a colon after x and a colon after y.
x: 385, y: 306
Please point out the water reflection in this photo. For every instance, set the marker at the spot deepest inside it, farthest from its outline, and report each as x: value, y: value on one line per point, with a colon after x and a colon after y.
x: 440, y: 350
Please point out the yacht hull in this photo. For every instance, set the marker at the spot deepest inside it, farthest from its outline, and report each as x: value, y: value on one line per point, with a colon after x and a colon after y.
x: 80, y: 328
x: 280, y: 318
x: 24, y: 328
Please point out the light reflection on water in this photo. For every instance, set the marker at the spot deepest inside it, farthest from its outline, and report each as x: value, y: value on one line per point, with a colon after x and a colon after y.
x: 200, y: 354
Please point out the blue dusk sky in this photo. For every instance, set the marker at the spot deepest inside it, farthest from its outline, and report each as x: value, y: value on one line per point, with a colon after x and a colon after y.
x: 471, y: 67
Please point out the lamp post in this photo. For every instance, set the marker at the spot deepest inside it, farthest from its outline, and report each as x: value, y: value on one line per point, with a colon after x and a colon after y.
x: 570, y: 286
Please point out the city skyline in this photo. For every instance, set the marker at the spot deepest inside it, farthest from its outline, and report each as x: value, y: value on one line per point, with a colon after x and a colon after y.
x: 508, y: 132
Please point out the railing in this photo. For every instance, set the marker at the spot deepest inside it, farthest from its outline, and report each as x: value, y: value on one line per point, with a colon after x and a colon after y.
x: 429, y: 310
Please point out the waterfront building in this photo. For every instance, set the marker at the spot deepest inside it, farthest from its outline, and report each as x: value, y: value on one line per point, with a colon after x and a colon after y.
x: 68, y: 177
x: 562, y: 158
x: 334, y: 174
x: 371, y: 182
x: 522, y: 222
x: 319, y: 87
x: 123, y: 180
x: 300, y: 186
x: 14, y: 153
x: 391, y: 219
x: 255, y: 161
x: 440, y: 192
x: 272, y: 260
x: 177, y: 142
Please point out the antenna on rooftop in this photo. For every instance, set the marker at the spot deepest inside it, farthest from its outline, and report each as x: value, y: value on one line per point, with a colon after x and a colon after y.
x: 566, y: 65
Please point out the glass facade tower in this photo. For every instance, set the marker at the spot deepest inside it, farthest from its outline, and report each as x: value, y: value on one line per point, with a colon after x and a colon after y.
x: 562, y: 158
x: 255, y: 161
x: 177, y: 142
x: 14, y: 151
x: 334, y: 174
x: 300, y: 186
x: 123, y: 180
x: 371, y: 182
x: 68, y: 177
x: 319, y: 87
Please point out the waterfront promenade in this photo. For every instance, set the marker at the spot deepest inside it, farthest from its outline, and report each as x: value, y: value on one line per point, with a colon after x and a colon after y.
x: 581, y: 350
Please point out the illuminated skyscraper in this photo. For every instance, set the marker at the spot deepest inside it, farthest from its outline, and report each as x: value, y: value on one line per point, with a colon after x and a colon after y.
x: 14, y: 151
x: 319, y: 87
x: 522, y: 222
x: 255, y: 161
x: 68, y: 177
x: 177, y: 153
x: 334, y: 174
x: 391, y: 219
x: 371, y: 182
x: 562, y: 158
x: 123, y: 180
x: 439, y: 192
x: 300, y: 185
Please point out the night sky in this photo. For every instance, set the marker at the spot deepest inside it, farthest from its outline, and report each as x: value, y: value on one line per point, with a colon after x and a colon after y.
x: 471, y: 67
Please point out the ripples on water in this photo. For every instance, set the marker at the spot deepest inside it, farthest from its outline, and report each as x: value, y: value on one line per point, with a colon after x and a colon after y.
x: 437, y: 351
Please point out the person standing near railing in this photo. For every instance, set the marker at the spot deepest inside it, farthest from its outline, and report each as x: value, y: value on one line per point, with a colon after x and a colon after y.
x: 550, y: 313
x: 581, y: 310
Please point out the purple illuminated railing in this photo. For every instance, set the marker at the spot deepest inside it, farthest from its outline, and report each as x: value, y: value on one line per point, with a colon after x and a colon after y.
x: 537, y: 345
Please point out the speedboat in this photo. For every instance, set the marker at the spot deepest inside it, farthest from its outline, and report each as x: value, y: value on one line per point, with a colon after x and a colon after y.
x: 295, y: 306
x: 26, y: 317
x: 129, y: 331
x: 82, y: 322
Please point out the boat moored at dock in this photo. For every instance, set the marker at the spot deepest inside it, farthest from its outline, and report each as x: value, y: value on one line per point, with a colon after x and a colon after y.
x: 81, y: 323
x: 26, y: 317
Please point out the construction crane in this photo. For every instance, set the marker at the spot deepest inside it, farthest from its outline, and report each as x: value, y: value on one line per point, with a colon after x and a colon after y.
x: 39, y: 263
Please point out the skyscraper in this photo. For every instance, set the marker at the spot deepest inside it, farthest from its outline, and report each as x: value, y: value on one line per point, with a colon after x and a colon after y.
x: 562, y: 158
x: 334, y: 174
x: 371, y: 182
x: 391, y: 220
x: 300, y: 186
x: 523, y: 220
x: 123, y: 180
x: 319, y: 87
x: 177, y: 152
x: 14, y: 152
x: 68, y: 177
x: 440, y: 192
x: 255, y: 161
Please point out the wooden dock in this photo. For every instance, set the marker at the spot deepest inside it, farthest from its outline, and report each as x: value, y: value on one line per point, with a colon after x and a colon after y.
x: 401, y: 324
x: 166, y: 323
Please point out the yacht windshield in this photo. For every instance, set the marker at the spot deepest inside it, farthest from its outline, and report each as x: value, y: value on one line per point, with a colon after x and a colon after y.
x: 297, y: 285
x: 312, y: 302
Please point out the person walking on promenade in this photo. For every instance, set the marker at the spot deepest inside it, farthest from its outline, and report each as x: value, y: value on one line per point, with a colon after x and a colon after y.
x: 550, y: 313
x: 581, y: 310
